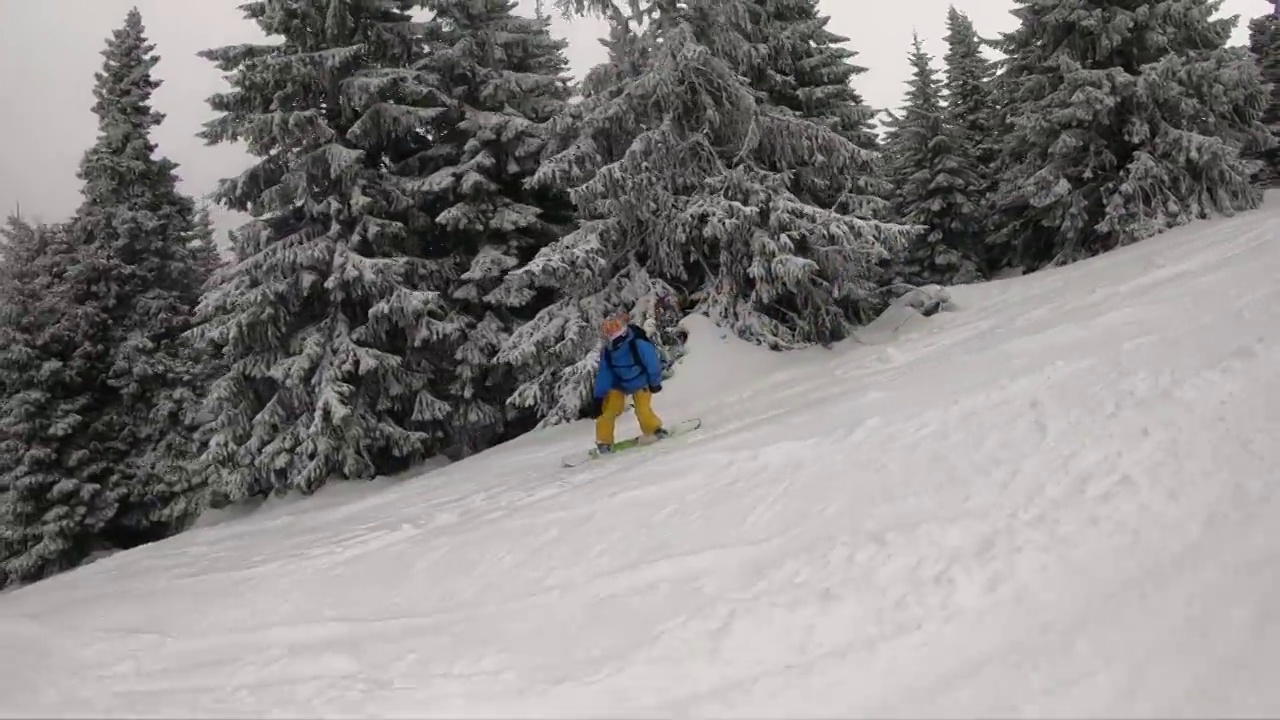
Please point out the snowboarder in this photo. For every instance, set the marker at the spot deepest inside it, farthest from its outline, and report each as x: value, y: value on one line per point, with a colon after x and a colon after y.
x: 629, y: 365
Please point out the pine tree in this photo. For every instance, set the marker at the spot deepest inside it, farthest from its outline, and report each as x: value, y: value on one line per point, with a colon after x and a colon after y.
x: 969, y: 76
x: 1126, y: 118
x: 56, y: 498
x: 935, y: 184
x: 1264, y: 42
x: 138, y: 228
x: 807, y: 70
x: 505, y: 77
x: 550, y: 354
x: 204, y: 246
x: 679, y: 177
x: 333, y: 319
x: 98, y: 379
x: 970, y: 107
x: 208, y: 261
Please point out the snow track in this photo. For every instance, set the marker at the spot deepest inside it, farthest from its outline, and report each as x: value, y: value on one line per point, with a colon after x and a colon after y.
x: 1059, y: 500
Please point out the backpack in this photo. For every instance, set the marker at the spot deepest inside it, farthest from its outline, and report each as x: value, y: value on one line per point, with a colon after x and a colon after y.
x: 637, y: 333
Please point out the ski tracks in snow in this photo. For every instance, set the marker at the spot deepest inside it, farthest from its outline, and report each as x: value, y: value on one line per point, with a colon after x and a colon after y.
x: 1143, y: 450
x: 1053, y: 503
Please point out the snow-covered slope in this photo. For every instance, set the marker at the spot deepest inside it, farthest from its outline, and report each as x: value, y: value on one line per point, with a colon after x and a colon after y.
x: 1058, y: 499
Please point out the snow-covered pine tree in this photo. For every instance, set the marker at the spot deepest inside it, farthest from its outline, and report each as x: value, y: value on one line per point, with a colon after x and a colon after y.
x: 968, y: 76
x: 204, y: 246
x: 332, y: 319
x: 136, y: 228
x: 678, y: 173
x: 970, y: 106
x: 205, y: 357
x: 804, y: 67
x: 1264, y: 42
x: 935, y: 182
x: 56, y: 494
x: 1126, y: 118
x: 505, y: 78
x: 551, y: 355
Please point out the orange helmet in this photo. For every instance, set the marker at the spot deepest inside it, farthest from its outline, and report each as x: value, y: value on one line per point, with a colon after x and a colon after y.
x: 612, y: 327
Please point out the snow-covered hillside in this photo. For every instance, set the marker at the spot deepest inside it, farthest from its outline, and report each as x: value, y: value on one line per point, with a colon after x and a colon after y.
x: 1059, y: 498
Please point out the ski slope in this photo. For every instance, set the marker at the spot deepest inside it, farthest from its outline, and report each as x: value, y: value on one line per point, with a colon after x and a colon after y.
x: 1059, y: 499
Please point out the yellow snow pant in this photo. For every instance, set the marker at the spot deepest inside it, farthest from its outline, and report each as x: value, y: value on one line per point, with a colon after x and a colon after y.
x: 613, y: 402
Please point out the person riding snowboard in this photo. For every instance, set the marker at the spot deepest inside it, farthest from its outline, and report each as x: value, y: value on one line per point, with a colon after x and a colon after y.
x: 629, y: 365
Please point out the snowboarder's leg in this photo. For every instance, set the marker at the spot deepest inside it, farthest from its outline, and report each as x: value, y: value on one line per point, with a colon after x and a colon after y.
x: 609, y: 413
x: 650, y: 423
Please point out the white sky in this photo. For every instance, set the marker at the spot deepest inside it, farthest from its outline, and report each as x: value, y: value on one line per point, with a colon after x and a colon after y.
x: 49, y: 51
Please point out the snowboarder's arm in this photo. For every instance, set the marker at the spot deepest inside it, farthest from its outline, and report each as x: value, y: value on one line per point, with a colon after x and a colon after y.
x: 604, y: 376
x: 651, y: 360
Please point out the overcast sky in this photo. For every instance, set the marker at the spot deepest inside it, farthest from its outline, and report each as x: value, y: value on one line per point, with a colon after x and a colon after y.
x: 49, y: 51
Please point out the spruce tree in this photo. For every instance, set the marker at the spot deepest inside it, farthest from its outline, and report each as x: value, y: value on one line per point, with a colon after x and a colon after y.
x: 204, y: 357
x: 936, y: 185
x: 1126, y: 118
x: 56, y: 495
x: 137, y: 228
x: 204, y: 247
x: 804, y: 67
x: 505, y: 79
x: 550, y: 355
x: 99, y: 382
x: 333, y: 320
x: 968, y: 82
x: 971, y: 108
x: 680, y: 177
x: 1264, y: 42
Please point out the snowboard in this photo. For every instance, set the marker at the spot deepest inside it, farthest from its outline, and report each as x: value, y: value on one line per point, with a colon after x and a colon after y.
x: 633, y: 443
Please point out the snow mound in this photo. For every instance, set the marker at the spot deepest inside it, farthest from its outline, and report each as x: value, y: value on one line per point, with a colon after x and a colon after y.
x: 905, y: 314
x: 1057, y: 500
x: 718, y: 361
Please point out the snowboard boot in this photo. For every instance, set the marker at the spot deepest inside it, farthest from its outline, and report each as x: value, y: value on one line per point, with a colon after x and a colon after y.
x: 603, y: 448
x: 657, y: 435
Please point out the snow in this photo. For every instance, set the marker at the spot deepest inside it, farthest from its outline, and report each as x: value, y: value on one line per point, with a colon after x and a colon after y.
x: 1055, y: 497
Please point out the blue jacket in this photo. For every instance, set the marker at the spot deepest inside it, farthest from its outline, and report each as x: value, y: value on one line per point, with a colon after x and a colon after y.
x: 619, y: 370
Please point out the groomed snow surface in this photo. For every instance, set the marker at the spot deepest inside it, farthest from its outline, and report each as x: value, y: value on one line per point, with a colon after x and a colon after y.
x: 1058, y: 498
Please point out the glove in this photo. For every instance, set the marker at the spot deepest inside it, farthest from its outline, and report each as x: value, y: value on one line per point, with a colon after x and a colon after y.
x: 596, y: 408
x: 655, y: 389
